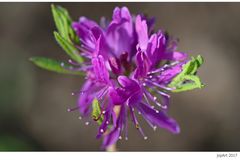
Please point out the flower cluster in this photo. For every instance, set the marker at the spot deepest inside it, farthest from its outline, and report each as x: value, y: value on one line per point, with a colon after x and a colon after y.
x: 128, y: 69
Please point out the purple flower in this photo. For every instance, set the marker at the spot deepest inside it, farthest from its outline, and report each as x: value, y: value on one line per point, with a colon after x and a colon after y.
x: 125, y: 73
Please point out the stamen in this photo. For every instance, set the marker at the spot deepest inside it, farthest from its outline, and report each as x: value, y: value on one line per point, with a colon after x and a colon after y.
x: 152, y: 98
x: 163, y: 67
x: 164, y: 95
x: 159, y: 104
x: 102, y: 93
x: 78, y: 93
x: 146, y: 98
x: 135, y: 121
x: 72, y: 109
x: 160, y: 86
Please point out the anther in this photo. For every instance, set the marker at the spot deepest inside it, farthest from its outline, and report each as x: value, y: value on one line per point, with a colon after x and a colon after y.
x: 86, y: 123
x: 120, y: 137
x: 164, y: 106
x: 145, y: 138
x: 80, y: 117
x: 137, y: 126
x: 101, y: 130
x: 154, y: 128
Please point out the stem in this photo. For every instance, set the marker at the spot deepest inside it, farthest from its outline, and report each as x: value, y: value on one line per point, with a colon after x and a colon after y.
x: 113, y: 147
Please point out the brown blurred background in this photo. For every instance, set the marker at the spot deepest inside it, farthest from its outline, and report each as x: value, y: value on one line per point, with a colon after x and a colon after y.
x: 33, y: 101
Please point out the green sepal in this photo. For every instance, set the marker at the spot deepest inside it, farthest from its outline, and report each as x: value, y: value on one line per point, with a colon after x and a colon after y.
x: 194, y: 83
x: 187, y: 79
x: 63, y: 23
x: 68, y: 47
x: 53, y: 65
x: 96, y: 112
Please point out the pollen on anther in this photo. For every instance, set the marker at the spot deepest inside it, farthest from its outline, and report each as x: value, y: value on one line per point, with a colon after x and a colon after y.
x: 126, y: 138
x: 101, y: 130
x: 103, y: 112
x: 154, y: 98
x: 164, y: 106
x: 157, y: 111
x: 107, y: 122
x: 120, y: 137
x: 144, y: 84
x: 80, y: 117
x: 154, y: 128
x: 87, y: 123
x: 72, y: 93
x: 145, y: 138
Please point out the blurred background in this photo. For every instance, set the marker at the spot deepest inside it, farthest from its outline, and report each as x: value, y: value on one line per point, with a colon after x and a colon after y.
x: 34, y: 102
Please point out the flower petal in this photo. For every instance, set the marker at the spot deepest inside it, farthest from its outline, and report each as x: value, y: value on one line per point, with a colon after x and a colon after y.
x: 160, y: 119
x: 86, y: 97
x: 100, y: 70
x: 175, y: 56
x: 143, y: 65
x: 142, y: 32
x: 120, y: 32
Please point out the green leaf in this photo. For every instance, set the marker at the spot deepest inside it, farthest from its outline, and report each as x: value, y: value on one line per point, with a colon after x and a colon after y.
x: 68, y: 47
x: 63, y: 23
x: 53, y: 65
x: 96, y: 112
x: 187, y: 80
